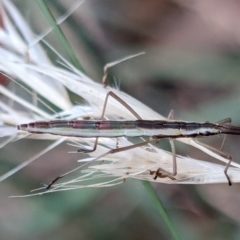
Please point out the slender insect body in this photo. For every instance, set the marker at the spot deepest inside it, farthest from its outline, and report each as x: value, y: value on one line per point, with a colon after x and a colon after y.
x: 153, y: 129
x: 138, y: 128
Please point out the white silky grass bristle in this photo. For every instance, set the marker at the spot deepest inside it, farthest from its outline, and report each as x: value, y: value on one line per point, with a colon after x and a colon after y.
x: 52, y: 83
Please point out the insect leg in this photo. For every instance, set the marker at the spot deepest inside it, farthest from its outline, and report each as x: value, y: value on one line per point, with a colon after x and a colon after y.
x: 223, y: 154
x: 220, y: 152
x: 112, y: 151
x: 161, y: 172
x: 116, y: 97
x: 171, y: 115
x: 225, y: 172
x: 174, y: 173
x: 111, y: 64
x: 85, y: 150
x: 222, y: 122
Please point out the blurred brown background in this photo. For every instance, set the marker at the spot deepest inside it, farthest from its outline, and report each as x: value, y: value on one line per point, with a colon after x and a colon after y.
x: 191, y: 65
